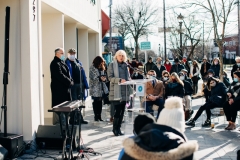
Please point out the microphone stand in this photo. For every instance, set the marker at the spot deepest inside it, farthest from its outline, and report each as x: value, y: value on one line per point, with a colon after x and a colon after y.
x: 79, y: 147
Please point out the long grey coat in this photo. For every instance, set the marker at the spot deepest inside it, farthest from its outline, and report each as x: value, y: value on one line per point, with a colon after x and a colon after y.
x: 115, y: 79
x: 96, y: 87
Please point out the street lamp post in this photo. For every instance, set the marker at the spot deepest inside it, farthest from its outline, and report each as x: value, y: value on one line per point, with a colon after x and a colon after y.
x: 164, y: 30
x: 159, y: 46
x: 180, y: 20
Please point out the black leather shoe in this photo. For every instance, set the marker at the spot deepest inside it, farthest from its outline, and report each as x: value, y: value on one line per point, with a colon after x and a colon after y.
x: 120, y: 132
x: 84, y: 122
x: 207, y: 123
x: 191, y: 122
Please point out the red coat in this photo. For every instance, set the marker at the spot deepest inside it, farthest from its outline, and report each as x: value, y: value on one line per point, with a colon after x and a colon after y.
x: 168, y: 67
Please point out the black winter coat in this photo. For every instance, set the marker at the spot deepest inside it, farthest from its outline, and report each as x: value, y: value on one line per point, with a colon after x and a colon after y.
x: 187, y: 88
x: 148, y: 66
x: 174, y: 89
x: 60, y: 82
x: 235, y: 68
x: 233, y: 88
x: 159, y: 72
x: 156, y: 142
x: 216, y: 69
x: 176, y: 68
x: 208, y: 65
x: 218, y: 94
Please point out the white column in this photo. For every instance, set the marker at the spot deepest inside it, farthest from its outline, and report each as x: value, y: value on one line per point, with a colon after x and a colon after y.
x: 29, y: 70
x: 70, y: 36
x: 83, y: 55
x: 52, y: 37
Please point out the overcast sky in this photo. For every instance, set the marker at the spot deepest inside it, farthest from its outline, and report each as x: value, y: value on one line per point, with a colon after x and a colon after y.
x: 232, y: 27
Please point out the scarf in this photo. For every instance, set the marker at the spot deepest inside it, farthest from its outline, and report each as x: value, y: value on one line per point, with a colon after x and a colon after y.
x: 117, y: 88
x: 236, y: 89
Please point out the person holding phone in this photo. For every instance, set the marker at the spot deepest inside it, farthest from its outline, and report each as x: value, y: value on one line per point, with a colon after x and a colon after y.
x: 98, y: 88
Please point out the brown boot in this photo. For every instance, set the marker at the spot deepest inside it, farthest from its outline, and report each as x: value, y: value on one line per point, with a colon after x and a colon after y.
x: 111, y: 119
x: 229, y: 124
x: 232, y: 127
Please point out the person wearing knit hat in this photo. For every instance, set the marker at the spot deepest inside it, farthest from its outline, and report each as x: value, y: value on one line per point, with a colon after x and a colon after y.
x: 173, y: 107
x: 164, y: 140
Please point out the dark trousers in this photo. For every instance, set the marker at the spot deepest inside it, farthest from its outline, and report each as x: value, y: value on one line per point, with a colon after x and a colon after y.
x: 119, y: 109
x: 195, y: 88
x: 75, y: 93
x: 159, y: 102
x: 207, y: 106
x: 97, y: 106
x: 231, y: 111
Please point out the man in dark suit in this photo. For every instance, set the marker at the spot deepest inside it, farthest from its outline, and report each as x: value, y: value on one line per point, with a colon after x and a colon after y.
x: 61, y: 81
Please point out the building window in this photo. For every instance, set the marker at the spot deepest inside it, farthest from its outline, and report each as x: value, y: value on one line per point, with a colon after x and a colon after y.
x: 234, y: 43
x: 230, y: 43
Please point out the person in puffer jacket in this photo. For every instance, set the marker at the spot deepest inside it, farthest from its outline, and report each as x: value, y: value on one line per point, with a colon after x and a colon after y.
x: 162, y: 141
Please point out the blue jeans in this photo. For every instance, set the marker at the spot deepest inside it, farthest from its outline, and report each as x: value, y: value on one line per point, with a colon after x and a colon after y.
x: 159, y: 102
x: 75, y: 92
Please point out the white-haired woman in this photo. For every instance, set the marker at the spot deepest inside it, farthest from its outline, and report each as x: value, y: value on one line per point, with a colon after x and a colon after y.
x: 175, y: 87
x: 118, y: 95
x: 216, y: 67
x: 236, y: 67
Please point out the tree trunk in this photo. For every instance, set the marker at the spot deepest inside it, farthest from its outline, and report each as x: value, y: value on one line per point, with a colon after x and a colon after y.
x: 136, y: 48
x: 221, y: 61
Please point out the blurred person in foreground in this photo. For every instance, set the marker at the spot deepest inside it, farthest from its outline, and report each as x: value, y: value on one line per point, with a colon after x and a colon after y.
x: 162, y: 141
x: 119, y: 94
x: 139, y: 122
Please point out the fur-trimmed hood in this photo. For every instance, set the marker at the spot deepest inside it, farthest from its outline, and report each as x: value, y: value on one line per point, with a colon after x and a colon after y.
x: 159, y: 142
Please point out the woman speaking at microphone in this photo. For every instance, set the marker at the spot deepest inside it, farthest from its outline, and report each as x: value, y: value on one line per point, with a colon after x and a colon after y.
x: 119, y: 94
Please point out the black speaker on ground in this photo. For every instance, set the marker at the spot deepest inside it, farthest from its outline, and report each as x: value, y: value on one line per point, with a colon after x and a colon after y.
x: 3, y: 152
x: 13, y: 143
x: 49, y: 137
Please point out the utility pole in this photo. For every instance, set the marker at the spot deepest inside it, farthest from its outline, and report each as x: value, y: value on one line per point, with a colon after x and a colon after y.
x: 110, y: 31
x: 164, y: 30
x: 238, y: 28
x: 181, y: 52
x: 203, y: 40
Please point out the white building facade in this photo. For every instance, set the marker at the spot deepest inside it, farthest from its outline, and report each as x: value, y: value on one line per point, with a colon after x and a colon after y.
x: 37, y: 27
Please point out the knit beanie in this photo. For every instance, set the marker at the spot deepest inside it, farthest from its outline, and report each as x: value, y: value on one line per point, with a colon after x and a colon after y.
x: 141, y: 120
x: 172, y: 114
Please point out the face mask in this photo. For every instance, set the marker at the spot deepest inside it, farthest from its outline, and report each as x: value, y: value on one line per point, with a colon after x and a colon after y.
x: 182, y: 78
x: 238, y: 64
x: 215, y: 63
x: 165, y: 78
x: 152, y: 77
x: 184, y: 60
x: 235, y: 79
x: 213, y: 84
x: 136, y: 74
x: 71, y: 57
x: 210, y: 75
x: 167, y: 62
x: 62, y: 57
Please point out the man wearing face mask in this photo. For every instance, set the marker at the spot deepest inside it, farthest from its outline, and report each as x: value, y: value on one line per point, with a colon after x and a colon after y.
x: 158, y: 68
x: 154, y: 92
x: 177, y: 67
x: 236, y: 67
x: 74, y: 66
x: 185, y: 72
x: 204, y: 68
x: 61, y: 81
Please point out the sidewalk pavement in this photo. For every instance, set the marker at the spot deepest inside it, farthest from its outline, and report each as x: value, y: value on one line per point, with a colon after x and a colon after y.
x: 216, y: 143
